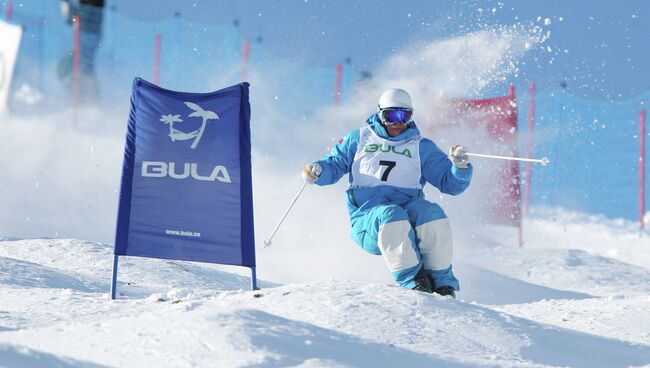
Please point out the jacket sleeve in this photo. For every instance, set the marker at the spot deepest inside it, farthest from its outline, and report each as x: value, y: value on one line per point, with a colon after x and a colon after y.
x: 339, y: 161
x: 440, y: 172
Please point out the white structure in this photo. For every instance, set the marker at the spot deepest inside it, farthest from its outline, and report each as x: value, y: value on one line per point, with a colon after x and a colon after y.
x: 9, y: 44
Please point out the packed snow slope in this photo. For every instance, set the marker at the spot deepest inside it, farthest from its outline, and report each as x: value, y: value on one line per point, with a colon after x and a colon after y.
x: 577, y: 294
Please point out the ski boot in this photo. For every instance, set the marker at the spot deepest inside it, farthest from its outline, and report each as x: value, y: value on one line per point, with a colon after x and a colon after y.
x: 423, y: 282
x: 446, y: 291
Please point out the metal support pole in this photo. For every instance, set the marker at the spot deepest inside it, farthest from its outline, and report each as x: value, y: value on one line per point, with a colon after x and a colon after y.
x: 114, y: 279
x: 253, y: 279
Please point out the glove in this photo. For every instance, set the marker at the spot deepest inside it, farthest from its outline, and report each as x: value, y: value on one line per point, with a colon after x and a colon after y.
x: 458, y: 156
x: 311, y: 172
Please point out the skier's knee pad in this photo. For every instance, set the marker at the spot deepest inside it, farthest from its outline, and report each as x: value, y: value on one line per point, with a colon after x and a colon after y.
x: 436, y: 245
x: 396, y: 242
x: 365, y: 230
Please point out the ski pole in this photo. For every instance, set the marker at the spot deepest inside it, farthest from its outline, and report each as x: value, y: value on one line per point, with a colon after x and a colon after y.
x: 544, y: 160
x: 267, y: 242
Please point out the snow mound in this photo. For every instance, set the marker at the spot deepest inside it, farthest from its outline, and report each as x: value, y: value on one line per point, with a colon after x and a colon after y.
x: 138, y: 277
x: 27, y: 274
x: 184, y: 314
x: 488, y: 287
x: 14, y: 356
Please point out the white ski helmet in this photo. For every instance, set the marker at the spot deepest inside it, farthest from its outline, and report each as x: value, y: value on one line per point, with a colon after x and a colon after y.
x: 395, y: 97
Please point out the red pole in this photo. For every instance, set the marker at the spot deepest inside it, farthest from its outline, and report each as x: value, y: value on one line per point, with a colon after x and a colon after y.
x: 641, y: 168
x: 76, y: 58
x: 337, y: 85
x: 156, y: 60
x: 529, y: 165
x: 513, y: 96
x: 9, y: 9
x: 246, y: 52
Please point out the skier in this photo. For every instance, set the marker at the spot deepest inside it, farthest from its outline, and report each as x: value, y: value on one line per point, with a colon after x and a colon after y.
x: 388, y: 164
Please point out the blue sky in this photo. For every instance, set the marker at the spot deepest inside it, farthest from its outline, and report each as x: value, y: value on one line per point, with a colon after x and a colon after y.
x: 600, y: 47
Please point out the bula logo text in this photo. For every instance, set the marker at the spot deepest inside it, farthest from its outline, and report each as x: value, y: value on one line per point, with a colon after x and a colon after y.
x: 156, y: 169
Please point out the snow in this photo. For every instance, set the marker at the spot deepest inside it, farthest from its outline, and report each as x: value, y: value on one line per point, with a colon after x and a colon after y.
x: 576, y: 294
x: 564, y: 299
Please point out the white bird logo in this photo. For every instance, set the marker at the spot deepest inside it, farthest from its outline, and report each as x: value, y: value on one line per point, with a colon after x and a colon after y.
x: 198, y: 112
x: 203, y: 114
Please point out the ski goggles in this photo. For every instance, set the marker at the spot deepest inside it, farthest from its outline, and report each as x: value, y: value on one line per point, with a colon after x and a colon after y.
x: 396, y: 115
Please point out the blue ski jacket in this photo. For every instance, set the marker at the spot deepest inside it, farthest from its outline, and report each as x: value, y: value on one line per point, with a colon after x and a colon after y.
x: 436, y: 169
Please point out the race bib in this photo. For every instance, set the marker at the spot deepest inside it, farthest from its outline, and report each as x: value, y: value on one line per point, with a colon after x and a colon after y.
x: 379, y: 161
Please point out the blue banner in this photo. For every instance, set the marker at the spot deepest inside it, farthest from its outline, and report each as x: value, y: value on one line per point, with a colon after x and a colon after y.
x: 186, y: 189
